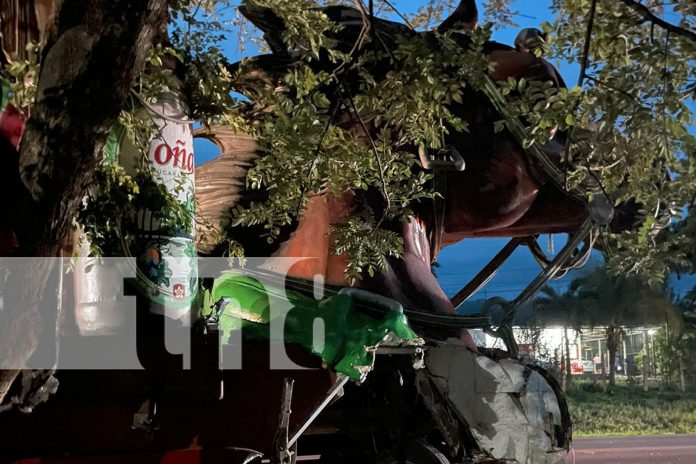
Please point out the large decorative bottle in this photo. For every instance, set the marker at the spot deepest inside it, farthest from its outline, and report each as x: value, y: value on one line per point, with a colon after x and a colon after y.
x: 166, y: 254
x: 164, y: 249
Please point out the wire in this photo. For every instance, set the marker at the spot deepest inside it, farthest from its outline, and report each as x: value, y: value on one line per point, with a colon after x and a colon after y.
x: 460, y: 274
x: 398, y: 14
x: 584, y: 61
x: 375, y: 152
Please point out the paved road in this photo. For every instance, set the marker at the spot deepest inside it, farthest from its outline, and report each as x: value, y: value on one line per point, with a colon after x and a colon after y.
x: 666, y: 449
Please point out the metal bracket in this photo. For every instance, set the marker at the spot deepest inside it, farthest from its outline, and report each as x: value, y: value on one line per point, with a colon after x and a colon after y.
x: 486, y: 274
x: 336, y: 390
x: 146, y: 418
x: 504, y: 329
x: 213, y: 319
x: 284, y: 452
x: 446, y: 159
x: 285, y: 448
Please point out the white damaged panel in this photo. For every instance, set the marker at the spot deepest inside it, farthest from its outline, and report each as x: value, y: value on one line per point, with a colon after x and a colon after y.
x: 512, y: 410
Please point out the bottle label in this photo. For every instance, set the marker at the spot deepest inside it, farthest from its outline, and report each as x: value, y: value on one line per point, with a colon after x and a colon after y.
x: 167, y: 270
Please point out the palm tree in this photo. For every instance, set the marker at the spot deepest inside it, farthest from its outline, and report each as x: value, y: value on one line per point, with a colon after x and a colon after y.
x: 688, y: 307
x: 598, y: 299
x: 614, y: 302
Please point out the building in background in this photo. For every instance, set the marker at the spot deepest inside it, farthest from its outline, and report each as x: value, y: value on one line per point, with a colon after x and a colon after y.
x: 548, y: 345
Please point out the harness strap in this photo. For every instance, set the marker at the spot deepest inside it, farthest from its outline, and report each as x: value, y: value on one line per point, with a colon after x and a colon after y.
x: 415, y: 315
x: 519, y: 131
x: 440, y: 189
x: 447, y: 159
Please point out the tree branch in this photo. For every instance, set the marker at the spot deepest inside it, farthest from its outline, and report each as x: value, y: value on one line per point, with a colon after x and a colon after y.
x: 648, y: 15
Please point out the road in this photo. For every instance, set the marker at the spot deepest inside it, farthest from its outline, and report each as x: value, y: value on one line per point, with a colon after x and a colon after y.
x: 665, y: 449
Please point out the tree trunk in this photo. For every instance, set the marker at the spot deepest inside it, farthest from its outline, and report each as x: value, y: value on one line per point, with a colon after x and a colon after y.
x: 613, y: 341
x: 569, y: 371
x: 646, y: 360
x: 94, y: 53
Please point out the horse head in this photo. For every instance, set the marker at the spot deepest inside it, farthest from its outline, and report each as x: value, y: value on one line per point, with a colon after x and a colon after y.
x: 501, y: 191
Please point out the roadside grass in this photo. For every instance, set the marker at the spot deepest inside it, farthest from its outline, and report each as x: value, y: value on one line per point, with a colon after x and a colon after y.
x: 628, y: 410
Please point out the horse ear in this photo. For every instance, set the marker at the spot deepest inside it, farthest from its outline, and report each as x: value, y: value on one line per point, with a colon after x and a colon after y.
x: 464, y: 17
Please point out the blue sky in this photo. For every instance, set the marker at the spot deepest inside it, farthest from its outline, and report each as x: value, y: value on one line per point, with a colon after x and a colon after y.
x: 460, y: 262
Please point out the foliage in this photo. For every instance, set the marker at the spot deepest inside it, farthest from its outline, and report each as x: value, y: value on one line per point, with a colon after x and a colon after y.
x: 315, y: 156
x: 115, y: 196
x: 366, y: 255
x: 414, y: 100
x: 431, y: 14
x: 197, y: 32
x: 630, y: 119
x: 615, y: 301
x: 554, y: 308
x: 22, y: 76
x: 672, y: 353
x: 639, y: 357
x: 597, y: 298
x: 499, y: 13
x: 563, y: 308
x: 687, y: 304
x: 533, y: 336
x: 635, y: 109
x: 306, y: 27
x: 109, y: 211
x: 107, y: 217
x: 627, y: 410
x: 667, y: 355
x: 545, y: 108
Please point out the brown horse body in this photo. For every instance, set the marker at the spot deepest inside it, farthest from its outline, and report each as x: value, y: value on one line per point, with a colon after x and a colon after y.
x: 500, y: 193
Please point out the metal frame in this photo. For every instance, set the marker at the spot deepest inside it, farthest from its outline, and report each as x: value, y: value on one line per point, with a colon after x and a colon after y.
x: 285, y: 445
x: 487, y: 273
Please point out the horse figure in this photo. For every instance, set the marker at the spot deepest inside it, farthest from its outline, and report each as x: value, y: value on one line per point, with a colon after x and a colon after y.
x: 500, y: 193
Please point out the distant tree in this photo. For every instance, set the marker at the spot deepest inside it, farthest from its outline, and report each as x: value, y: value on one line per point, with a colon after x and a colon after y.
x: 675, y: 353
x: 533, y: 335
x: 688, y: 309
x: 555, y: 308
x: 614, y: 302
x: 674, y: 357
x: 599, y: 299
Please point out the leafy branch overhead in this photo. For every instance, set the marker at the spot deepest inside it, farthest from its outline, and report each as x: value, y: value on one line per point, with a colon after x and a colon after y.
x: 632, y: 119
x: 646, y: 13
